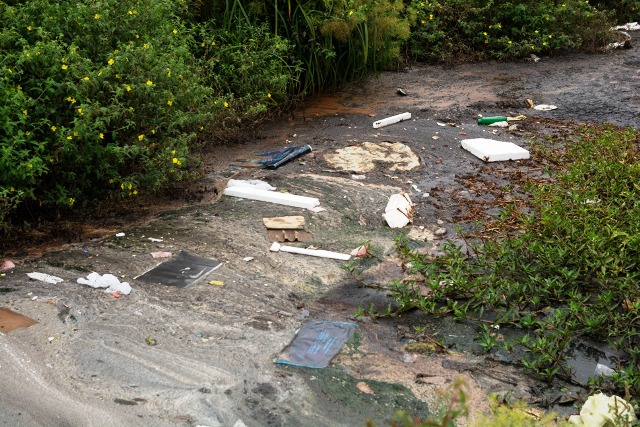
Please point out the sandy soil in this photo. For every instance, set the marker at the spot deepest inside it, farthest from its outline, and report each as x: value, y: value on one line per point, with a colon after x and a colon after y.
x: 88, y: 360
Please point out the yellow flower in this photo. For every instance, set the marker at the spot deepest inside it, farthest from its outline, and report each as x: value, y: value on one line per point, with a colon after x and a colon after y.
x: 202, y: 44
x: 101, y: 135
x: 550, y: 36
x: 29, y: 28
x: 175, y: 31
x: 117, y: 76
x: 536, y: 31
x: 430, y: 17
x: 137, y: 36
x: 85, y: 78
x: 128, y: 88
x: 268, y: 95
x: 53, y: 128
x: 71, y: 201
x: 169, y: 103
x: 140, y: 137
x: 423, y: 22
x: 69, y: 137
x: 80, y: 111
x: 96, y: 16
x: 132, y: 12
x: 484, y: 34
x: 70, y: 99
x: 75, y: 133
x: 176, y: 161
x: 135, y: 192
x: 226, y: 104
x: 533, y: 47
x: 122, y: 186
x: 510, y: 42
x: 24, y: 112
x: 65, y: 66
x: 168, y: 72
x: 99, y: 73
x: 544, y: 43
x: 149, y: 83
x: 153, y: 131
x: 146, y: 45
x: 130, y: 186
x: 110, y: 61
x: 30, y: 166
x: 350, y: 12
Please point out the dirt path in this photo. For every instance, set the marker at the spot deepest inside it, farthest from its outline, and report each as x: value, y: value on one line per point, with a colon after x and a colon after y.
x: 88, y: 360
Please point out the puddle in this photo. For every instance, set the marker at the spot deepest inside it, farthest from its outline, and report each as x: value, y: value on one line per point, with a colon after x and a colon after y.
x: 364, y: 157
x: 587, y: 361
x: 10, y: 321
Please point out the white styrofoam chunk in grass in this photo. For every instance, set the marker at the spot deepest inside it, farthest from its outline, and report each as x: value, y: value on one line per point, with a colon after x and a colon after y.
x: 490, y: 150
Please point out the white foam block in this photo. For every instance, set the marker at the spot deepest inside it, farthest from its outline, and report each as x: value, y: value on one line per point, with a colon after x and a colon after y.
x: 490, y: 150
x: 391, y: 120
x: 272, y: 197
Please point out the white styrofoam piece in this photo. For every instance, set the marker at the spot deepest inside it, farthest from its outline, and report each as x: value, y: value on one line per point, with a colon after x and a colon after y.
x: 490, y: 150
x: 272, y: 197
x: 398, y: 210
x: 391, y: 120
x: 254, y: 183
x: 277, y: 247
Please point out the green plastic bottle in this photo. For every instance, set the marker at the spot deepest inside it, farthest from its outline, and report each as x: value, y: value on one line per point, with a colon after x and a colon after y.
x: 489, y: 120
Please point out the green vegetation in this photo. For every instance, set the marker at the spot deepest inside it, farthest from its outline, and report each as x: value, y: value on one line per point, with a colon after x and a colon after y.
x: 103, y: 100
x: 566, y: 266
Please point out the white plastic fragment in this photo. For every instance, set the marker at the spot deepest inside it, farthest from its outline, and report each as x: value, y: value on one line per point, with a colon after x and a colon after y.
x: 120, y: 234
x: 545, y: 107
x: 161, y: 254
x: 277, y: 247
x: 153, y: 239
x: 45, y: 278
x: 272, y: 197
x: 108, y: 281
x: 631, y: 26
x: 500, y: 124
x: 391, y: 120
x: 253, y: 183
x: 490, y: 150
x: 601, y: 410
x: 399, y: 210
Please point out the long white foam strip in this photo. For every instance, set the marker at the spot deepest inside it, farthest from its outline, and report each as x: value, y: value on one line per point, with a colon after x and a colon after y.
x: 277, y: 247
x: 391, y: 120
x: 272, y: 197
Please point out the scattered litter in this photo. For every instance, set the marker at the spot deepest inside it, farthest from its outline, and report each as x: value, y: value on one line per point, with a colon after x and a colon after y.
x: 601, y: 410
x: 161, y: 254
x: 359, y: 177
x: 255, y: 193
x: 435, y: 137
x: 151, y: 341
x: 117, y: 294
x: 361, y: 250
x: 120, y: 234
x: 500, y: 124
x: 391, y: 120
x: 45, y: 278
x: 603, y: 370
x: 288, y: 236
x: 253, y: 183
x: 10, y: 320
x: 316, y: 343
x: 545, y: 107
x: 277, y: 247
x: 498, y: 119
x: 440, y: 232
x: 441, y: 124
x: 181, y: 271
x: 273, y: 159
x: 534, y: 58
x: 216, y: 282
x: 400, y: 92
x: 367, y: 156
x: 399, y: 210
x: 415, y: 188
x: 7, y: 265
x: 153, y: 239
x: 284, y: 222
x: 531, y: 104
x: 490, y: 150
x: 364, y: 387
x: 108, y: 281
x: 247, y: 258
x: 631, y: 26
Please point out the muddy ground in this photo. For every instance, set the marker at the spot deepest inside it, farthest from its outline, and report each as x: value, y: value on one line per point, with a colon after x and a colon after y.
x: 88, y: 360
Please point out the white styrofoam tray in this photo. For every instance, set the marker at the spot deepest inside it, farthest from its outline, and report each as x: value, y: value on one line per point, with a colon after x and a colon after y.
x: 490, y: 150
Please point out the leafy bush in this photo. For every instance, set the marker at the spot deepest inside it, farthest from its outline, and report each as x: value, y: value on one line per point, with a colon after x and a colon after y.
x: 446, y: 29
x: 573, y: 269
x: 106, y: 98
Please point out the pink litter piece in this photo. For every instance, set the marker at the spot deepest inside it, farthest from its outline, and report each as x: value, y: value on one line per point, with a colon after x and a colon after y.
x: 7, y: 265
x: 161, y: 254
x: 360, y: 251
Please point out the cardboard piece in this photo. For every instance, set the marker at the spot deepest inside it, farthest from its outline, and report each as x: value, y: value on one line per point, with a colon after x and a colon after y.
x: 182, y: 271
x: 10, y: 320
x: 284, y: 222
x: 490, y: 150
x: 316, y: 343
x: 288, y: 236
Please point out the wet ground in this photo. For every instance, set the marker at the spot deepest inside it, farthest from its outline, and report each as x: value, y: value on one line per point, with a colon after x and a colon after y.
x: 204, y: 354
